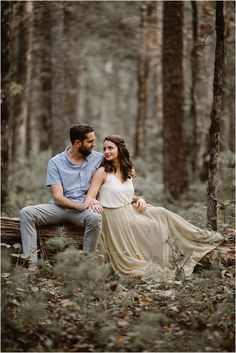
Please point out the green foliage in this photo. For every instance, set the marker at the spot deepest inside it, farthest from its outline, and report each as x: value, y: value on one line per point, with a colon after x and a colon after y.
x: 6, y: 264
x: 27, y: 184
x: 15, y: 88
x: 81, y: 270
x: 32, y: 310
x: 79, y: 305
x: 59, y: 243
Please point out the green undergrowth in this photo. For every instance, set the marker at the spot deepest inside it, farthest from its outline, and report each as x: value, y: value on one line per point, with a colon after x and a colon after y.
x: 76, y: 303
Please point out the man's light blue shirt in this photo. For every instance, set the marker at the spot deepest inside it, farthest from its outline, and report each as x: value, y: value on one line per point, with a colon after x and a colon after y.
x: 74, y: 179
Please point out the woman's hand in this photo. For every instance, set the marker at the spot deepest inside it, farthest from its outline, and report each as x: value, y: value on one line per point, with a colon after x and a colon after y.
x: 140, y: 204
x: 93, y: 204
x: 97, y: 208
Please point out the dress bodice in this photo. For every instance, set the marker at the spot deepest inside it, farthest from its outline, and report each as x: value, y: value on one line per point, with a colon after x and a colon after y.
x: 113, y: 193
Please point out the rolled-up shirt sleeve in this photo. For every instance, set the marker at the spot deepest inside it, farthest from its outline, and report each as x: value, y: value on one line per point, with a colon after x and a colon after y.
x: 53, y: 175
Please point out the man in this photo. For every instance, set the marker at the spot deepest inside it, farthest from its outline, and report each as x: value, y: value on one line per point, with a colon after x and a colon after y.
x: 68, y: 176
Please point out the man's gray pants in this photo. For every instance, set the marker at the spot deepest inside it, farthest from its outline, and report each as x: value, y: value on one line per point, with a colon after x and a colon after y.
x: 46, y: 214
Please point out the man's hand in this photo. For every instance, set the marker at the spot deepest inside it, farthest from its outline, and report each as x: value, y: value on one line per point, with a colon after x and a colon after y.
x: 140, y: 204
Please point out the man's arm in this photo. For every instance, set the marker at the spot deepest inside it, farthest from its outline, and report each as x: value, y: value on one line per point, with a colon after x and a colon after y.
x: 62, y: 201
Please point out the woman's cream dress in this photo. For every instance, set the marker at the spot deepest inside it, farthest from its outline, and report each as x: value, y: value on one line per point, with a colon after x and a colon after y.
x: 153, y: 243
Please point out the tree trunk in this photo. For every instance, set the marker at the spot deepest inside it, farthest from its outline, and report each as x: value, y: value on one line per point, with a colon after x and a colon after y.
x: 28, y: 89
x: 194, y: 67
x: 10, y: 234
x: 39, y: 99
x: 72, y: 68
x: 148, y: 19
x: 228, y: 110
x: 175, y: 168
x: 19, y: 58
x: 159, y: 94
x: 6, y: 21
x: 57, y: 83
x: 216, y: 118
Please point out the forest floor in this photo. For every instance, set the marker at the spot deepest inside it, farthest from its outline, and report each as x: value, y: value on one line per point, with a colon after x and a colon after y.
x: 77, y: 304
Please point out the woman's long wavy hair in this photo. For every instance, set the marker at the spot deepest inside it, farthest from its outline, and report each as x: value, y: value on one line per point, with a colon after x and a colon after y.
x: 123, y: 155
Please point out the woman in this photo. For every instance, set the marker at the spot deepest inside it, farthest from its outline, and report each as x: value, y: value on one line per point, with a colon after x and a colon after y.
x: 140, y: 239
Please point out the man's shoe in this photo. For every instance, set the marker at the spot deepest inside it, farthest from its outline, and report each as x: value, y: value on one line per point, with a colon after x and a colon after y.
x: 21, y: 257
x: 33, y: 268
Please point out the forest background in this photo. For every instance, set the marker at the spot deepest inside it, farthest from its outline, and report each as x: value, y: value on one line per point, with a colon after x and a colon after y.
x: 121, y: 67
x: 144, y: 70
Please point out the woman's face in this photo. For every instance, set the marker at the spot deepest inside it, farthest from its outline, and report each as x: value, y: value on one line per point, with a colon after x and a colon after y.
x: 110, y: 151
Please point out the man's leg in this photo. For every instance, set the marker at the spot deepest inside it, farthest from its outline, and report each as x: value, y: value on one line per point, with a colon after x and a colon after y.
x: 92, y: 222
x: 30, y: 217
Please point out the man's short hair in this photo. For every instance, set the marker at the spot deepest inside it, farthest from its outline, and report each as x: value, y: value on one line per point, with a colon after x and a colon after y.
x: 79, y: 131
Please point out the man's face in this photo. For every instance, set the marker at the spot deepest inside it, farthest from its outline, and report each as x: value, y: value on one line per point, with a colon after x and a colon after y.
x: 87, y: 145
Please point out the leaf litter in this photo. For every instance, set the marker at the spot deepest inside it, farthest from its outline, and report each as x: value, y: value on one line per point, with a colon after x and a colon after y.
x: 107, y: 313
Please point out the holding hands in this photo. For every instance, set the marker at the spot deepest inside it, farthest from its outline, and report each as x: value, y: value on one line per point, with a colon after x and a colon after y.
x: 93, y: 204
x: 140, y: 204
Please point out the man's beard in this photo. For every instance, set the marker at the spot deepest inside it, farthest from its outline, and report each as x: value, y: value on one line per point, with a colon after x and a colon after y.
x: 84, y: 151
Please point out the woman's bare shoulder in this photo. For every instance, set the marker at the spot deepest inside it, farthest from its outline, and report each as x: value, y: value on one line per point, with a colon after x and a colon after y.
x: 101, y: 174
x: 100, y: 170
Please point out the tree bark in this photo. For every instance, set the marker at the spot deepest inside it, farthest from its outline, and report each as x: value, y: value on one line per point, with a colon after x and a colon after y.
x: 175, y: 169
x: 28, y: 89
x: 148, y: 20
x: 194, y: 67
x: 228, y: 122
x: 10, y: 233
x: 57, y: 74
x: 73, y: 74
x: 39, y: 99
x: 6, y: 22
x: 216, y: 114
x: 18, y: 102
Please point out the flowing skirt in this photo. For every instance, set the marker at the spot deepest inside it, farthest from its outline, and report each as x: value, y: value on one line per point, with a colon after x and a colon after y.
x: 156, y: 242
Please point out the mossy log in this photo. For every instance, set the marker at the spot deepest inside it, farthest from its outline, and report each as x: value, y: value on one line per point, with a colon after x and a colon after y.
x: 10, y: 231
x: 10, y: 234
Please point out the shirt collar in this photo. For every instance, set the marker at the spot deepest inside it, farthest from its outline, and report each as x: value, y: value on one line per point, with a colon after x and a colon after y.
x: 85, y: 160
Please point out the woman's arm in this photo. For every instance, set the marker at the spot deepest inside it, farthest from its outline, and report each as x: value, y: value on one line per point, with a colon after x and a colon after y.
x: 62, y: 201
x: 98, y: 179
x: 138, y: 201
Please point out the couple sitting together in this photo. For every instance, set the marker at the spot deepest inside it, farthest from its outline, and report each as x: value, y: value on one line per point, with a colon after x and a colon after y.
x: 95, y: 191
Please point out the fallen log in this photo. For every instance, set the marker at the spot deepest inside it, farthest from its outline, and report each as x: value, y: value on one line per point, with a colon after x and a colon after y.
x: 10, y: 231
x: 10, y: 234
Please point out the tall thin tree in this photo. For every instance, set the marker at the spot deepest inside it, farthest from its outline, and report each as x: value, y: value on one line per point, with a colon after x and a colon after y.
x: 175, y: 166
x: 20, y: 42
x: 148, y: 23
x: 194, y: 68
x: 216, y: 114
x: 39, y: 106
x: 6, y: 21
x: 57, y: 72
